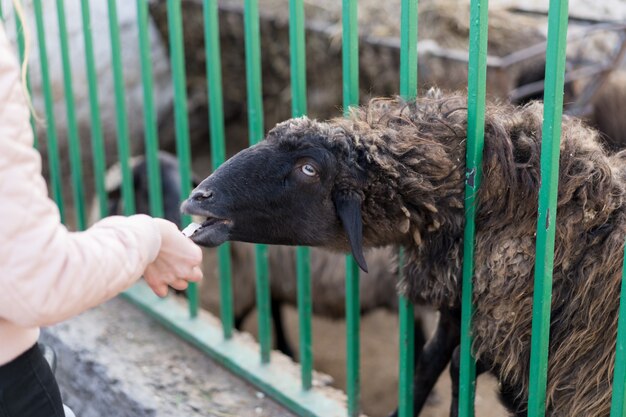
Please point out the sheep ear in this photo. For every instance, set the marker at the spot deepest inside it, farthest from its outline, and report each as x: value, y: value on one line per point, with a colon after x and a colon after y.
x: 114, y: 200
x: 349, y: 210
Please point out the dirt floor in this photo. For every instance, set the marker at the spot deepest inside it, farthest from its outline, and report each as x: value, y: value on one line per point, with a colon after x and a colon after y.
x: 379, y: 364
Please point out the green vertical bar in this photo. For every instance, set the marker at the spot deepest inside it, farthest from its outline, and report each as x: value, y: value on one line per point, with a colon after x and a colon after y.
x: 618, y: 405
x: 477, y: 75
x: 97, y: 142
x: 51, y: 132
x: 1, y: 12
x: 407, y: 356
x: 297, y: 55
x: 350, y: 63
x: 20, y: 46
x: 149, y: 113
x: 408, y: 50
x: 305, y: 311
x: 263, y: 301
x: 408, y: 91
x: 353, y: 380
x: 218, y: 148
x: 226, y: 289
x: 253, y: 70
x: 72, y: 126
x: 350, y: 54
x: 177, y: 57
x: 255, y: 122
x: 128, y: 196
x: 551, y: 135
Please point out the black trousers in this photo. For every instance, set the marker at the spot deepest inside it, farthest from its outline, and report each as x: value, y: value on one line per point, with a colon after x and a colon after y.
x: 28, y: 387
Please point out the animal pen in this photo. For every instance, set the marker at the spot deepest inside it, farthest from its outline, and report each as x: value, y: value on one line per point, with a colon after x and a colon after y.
x: 301, y: 396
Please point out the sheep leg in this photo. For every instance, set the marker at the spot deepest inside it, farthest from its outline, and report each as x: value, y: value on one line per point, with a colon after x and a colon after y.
x: 513, y: 402
x: 241, y: 318
x: 282, y: 344
x: 508, y: 398
x: 455, y: 365
x: 434, y: 358
x: 419, y: 337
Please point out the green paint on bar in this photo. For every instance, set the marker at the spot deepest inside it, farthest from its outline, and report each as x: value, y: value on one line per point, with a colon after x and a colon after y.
x: 618, y: 405
x: 253, y: 71
x: 407, y: 357
x: 350, y: 64
x: 408, y: 49
x: 263, y: 301
x: 408, y: 91
x: 128, y: 193
x: 255, y: 124
x: 353, y: 315
x: 477, y: 75
x: 177, y: 58
x: 218, y: 149
x: 350, y: 54
x: 149, y: 113
x: 72, y: 125
x: 551, y: 135
x: 97, y: 141
x: 226, y: 289
x: 297, y: 54
x: 51, y: 132
x: 305, y: 312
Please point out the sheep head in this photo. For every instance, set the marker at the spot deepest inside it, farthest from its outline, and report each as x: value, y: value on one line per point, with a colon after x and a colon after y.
x: 303, y: 185
x: 391, y: 173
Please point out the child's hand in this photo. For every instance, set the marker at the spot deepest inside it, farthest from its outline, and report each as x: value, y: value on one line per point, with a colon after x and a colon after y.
x: 177, y: 263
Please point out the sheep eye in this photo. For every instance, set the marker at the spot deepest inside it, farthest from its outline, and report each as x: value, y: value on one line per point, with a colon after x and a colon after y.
x: 307, y: 169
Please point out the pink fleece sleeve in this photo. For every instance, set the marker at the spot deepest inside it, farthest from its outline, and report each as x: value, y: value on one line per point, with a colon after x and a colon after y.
x: 48, y: 274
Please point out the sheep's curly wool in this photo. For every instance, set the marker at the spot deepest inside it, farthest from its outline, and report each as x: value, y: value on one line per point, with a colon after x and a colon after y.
x: 413, y: 157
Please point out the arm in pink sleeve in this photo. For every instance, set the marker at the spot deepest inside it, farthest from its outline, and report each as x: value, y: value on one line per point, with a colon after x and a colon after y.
x: 48, y: 274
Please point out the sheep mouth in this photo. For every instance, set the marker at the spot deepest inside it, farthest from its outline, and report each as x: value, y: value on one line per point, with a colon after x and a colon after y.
x: 210, y: 221
x: 212, y: 232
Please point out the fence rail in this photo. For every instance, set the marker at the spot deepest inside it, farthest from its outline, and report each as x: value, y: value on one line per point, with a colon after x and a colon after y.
x: 300, y: 396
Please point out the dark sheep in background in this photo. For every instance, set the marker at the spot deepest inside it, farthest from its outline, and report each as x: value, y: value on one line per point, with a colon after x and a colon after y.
x: 377, y: 289
x: 394, y: 173
x: 170, y: 183
x: 609, y: 111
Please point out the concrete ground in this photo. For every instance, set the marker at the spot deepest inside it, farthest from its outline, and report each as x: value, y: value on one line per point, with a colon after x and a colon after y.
x: 115, y: 361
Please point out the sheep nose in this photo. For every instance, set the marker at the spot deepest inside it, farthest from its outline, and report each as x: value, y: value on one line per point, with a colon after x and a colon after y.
x: 202, y: 195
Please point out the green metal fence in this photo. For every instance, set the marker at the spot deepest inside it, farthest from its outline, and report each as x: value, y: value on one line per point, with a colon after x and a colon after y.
x: 300, y: 396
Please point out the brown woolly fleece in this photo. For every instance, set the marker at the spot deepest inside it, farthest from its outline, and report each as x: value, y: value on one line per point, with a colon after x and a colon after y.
x: 414, y: 156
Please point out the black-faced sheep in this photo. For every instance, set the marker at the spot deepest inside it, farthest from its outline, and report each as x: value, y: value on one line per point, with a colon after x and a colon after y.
x: 377, y: 288
x: 393, y: 173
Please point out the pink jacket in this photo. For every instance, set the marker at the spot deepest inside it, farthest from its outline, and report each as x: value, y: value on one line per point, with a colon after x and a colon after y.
x: 48, y: 274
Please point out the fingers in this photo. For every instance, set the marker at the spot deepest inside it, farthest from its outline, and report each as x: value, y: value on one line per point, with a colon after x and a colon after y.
x: 159, y: 288
x: 180, y: 284
x: 181, y: 281
x: 195, y: 252
x: 177, y: 263
x: 196, y: 274
x: 174, y: 243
